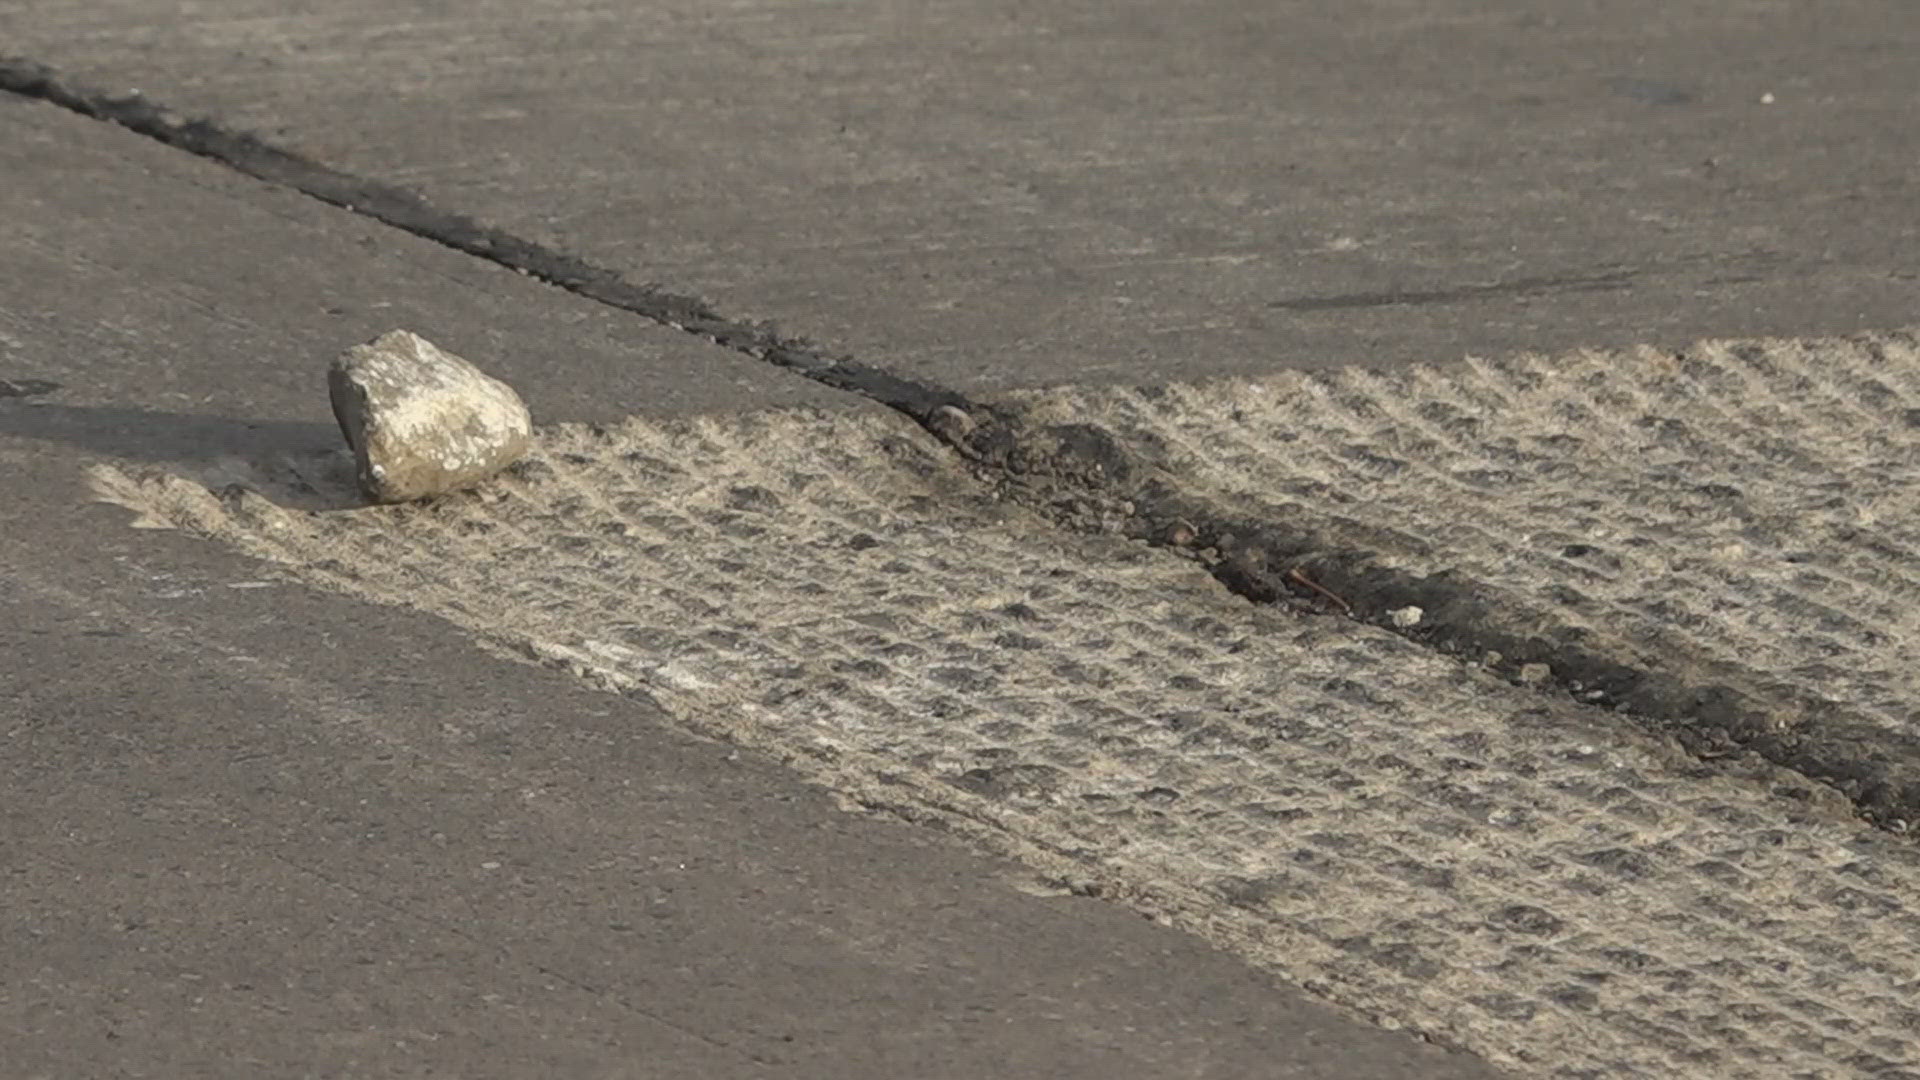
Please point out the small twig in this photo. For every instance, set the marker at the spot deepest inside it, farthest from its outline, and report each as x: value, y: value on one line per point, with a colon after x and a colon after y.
x: 1299, y: 577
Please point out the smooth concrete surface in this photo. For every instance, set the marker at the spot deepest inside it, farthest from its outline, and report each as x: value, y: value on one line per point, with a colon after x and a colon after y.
x: 252, y: 830
x: 197, y: 280
x: 990, y: 193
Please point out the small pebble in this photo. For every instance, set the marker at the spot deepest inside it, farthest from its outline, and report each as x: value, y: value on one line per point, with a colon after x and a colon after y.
x: 951, y: 424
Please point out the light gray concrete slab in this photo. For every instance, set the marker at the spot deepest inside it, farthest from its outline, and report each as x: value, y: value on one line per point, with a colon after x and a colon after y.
x: 990, y: 194
x: 256, y: 830
x: 143, y: 279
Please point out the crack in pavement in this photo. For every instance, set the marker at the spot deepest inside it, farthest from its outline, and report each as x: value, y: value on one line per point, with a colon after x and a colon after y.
x: 1368, y: 805
x: 1604, y: 281
x: 1709, y: 543
x: 406, y: 210
x: 1603, y: 278
x: 1093, y: 476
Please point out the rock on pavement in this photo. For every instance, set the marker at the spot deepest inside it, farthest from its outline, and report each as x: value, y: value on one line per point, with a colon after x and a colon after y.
x: 422, y: 421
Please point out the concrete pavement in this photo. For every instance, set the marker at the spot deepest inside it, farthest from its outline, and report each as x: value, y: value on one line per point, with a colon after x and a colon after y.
x: 253, y: 830
x: 971, y: 197
x: 984, y: 195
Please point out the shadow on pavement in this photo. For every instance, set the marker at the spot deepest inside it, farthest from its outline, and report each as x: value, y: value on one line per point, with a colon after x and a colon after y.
x: 297, y: 463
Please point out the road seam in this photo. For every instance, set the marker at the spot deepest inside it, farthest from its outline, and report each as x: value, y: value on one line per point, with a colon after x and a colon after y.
x: 1085, y: 476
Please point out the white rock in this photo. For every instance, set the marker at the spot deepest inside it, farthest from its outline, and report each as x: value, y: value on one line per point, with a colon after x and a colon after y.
x: 422, y: 421
x: 1406, y: 616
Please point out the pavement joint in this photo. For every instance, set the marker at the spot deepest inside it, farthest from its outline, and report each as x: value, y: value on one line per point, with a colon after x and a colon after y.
x: 408, y: 211
x: 1548, y: 699
x: 1083, y: 477
x: 1340, y: 530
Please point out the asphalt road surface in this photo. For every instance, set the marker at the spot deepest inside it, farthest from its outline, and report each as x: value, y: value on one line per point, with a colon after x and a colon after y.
x: 1109, y: 540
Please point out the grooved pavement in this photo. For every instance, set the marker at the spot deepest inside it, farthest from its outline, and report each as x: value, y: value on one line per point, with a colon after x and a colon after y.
x: 1736, y: 519
x: 1405, y: 834
x: 262, y: 830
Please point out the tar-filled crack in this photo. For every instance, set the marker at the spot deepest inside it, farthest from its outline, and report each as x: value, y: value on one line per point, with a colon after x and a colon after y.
x: 1082, y: 477
x: 408, y: 211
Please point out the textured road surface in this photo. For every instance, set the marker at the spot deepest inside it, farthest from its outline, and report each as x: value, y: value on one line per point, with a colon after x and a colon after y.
x: 1718, y: 537
x: 1549, y: 707
x: 1494, y: 867
x: 253, y: 830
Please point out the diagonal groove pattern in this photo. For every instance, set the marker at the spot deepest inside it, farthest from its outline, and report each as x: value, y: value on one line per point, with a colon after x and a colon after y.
x: 1392, y: 828
x: 1713, y: 703
x: 1715, y: 541
x: 1401, y: 832
x: 1095, y: 466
